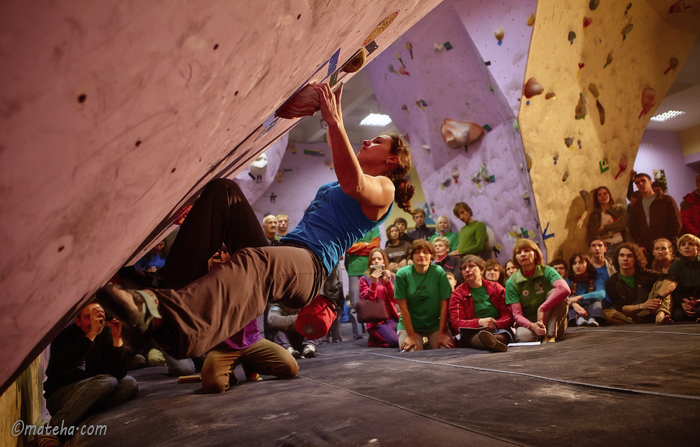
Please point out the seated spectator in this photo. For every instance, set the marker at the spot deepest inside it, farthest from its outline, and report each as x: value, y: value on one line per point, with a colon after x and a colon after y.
x: 561, y: 267
x: 638, y: 295
x: 510, y: 268
x: 280, y: 322
x: 378, y: 284
x: 472, y: 236
x: 536, y: 295
x: 396, y: 249
x: 256, y: 355
x: 423, y: 291
x: 401, y: 224
x: 494, y: 272
x: 153, y: 260
x: 603, y: 265
x: 607, y: 220
x: 451, y: 278
x: 421, y: 230
x: 444, y: 228
x: 663, y: 255
x: 270, y: 227
x: 687, y: 271
x: 480, y: 305
x: 86, y: 372
x: 587, y: 293
x: 690, y: 211
x: 332, y: 290
x: 450, y: 264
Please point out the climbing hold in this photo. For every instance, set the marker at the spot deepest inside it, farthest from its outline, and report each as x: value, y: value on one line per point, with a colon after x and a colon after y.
x: 528, y: 160
x: 571, y: 37
x: 581, y: 107
x: 623, y: 165
x: 531, y: 20
x: 593, y: 4
x: 304, y: 103
x: 457, y: 134
x: 628, y: 8
x: 487, y: 128
x: 409, y: 47
x: 490, y: 87
x: 593, y: 89
x: 419, y: 103
x: 556, y: 159
x: 447, y: 45
x: 484, y: 173
x: 391, y: 69
x: 403, y: 71
x: 499, y: 33
x: 672, y: 64
x: 609, y: 60
x: 581, y: 65
x: 354, y: 64
x: 455, y: 174
x: 626, y: 30
x: 447, y: 182
x: 426, y: 148
x: 587, y: 21
x: 601, y: 111
x: 648, y: 96
x: 604, y: 165
x: 405, y: 107
x: 568, y: 141
x: 398, y: 58
x: 584, y: 195
x: 515, y: 126
x: 550, y: 95
x: 532, y: 88
x: 579, y: 143
x: 439, y: 47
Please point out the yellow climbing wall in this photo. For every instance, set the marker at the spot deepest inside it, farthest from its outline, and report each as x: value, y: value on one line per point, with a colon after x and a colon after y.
x: 620, y: 47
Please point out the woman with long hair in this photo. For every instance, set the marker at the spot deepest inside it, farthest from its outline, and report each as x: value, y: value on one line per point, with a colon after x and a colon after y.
x: 663, y: 255
x: 213, y: 306
x: 607, y: 220
x: 509, y: 268
x: 378, y: 284
x: 396, y: 249
x: 587, y: 292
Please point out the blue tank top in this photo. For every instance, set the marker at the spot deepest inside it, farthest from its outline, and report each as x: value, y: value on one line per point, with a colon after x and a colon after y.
x: 331, y: 224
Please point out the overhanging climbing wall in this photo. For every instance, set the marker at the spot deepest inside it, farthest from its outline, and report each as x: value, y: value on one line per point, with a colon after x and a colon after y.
x: 593, y: 61
x: 115, y: 115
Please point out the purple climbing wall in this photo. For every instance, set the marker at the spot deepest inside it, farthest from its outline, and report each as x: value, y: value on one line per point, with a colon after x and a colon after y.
x: 454, y: 82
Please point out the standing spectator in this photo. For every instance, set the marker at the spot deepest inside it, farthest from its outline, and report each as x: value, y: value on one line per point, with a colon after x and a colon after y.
x: 421, y: 231
x: 153, y: 260
x: 396, y: 249
x: 690, y: 210
x: 637, y: 294
x: 687, y: 271
x: 472, y: 236
x: 423, y: 291
x: 607, y: 220
x: 401, y: 224
x: 378, y: 284
x: 654, y: 216
x: 282, y: 225
x: 663, y: 255
x: 356, y: 260
x: 444, y: 228
x: 587, y: 293
x: 270, y: 227
x: 493, y: 271
x: 86, y: 372
x: 536, y: 295
x: 450, y: 264
x: 479, y: 304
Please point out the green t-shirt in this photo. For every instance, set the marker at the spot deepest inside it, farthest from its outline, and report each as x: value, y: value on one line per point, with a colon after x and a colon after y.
x: 472, y: 238
x: 423, y: 293
x: 453, y: 238
x: 483, y: 308
x: 357, y: 265
x: 531, y: 292
x: 629, y: 280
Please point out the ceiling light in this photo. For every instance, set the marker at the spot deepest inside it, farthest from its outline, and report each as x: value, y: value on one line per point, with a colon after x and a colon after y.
x: 666, y: 116
x: 375, y: 119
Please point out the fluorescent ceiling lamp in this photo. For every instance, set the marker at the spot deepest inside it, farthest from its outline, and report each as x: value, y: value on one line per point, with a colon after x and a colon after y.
x: 375, y: 119
x: 666, y: 116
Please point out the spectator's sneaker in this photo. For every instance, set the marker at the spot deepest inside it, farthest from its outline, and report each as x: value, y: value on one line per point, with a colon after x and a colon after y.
x: 490, y: 341
x: 549, y: 339
x: 252, y: 377
x: 294, y: 352
x: 47, y: 441
x: 582, y: 321
x: 309, y: 351
x: 592, y: 322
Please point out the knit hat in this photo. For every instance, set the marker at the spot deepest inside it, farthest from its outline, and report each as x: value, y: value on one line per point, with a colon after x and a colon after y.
x: 315, y: 319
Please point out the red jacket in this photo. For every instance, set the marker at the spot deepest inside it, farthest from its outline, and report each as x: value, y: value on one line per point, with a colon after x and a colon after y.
x: 462, y: 306
x: 690, y: 214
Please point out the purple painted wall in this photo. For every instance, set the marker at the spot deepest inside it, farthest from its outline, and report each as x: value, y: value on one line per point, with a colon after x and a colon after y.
x: 456, y: 84
x: 663, y: 150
